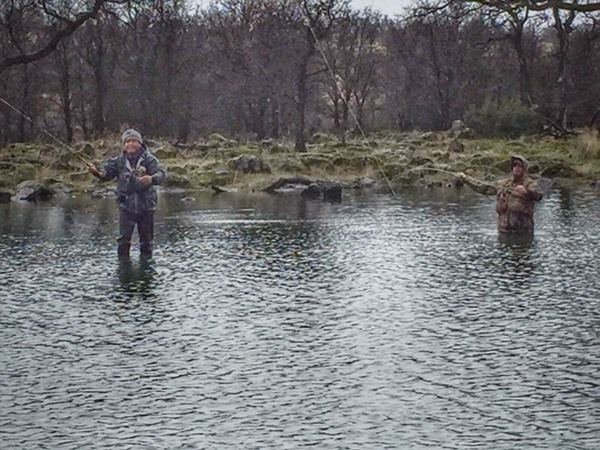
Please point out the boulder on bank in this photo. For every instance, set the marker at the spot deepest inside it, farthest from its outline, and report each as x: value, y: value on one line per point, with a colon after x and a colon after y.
x: 328, y: 192
x: 249, y: 164
x: 33, y: 190
x: 456, y: 146
x: 458, y: 129
x: 165, y: 152
x: 177, y: 180
x: 315, y: 190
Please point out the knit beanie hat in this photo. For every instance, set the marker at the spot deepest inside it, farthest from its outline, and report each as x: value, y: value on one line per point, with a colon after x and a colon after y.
x: 131, y: 134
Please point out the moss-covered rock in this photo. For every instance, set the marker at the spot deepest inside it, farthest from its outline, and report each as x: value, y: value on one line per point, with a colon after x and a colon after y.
x: 351, y: 162
x: 290, y: 165
x: 177, y: 180
x: 214, y: 178
x: 165, y: 152
x: 315, y: 160
x: 249, y: 164
x: 556, y: 169
x: 23, y: 172
x: 207, y: 163
x: 322, y: 138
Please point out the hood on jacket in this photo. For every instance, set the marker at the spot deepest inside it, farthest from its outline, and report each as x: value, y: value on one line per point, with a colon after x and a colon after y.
x: 521, y: 159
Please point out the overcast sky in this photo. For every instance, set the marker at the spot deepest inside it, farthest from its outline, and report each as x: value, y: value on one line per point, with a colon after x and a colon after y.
x: 388, y: 7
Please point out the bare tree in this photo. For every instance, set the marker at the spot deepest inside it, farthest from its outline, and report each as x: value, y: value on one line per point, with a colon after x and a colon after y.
x: 63, y: 63
x: 353, y: 55
x: 312, y: 21
x: 49, y: 21
x: 564, y: 27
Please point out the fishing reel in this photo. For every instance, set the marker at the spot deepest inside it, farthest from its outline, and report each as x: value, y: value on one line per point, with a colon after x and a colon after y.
x: 138, y: 173
x: 135, y: 178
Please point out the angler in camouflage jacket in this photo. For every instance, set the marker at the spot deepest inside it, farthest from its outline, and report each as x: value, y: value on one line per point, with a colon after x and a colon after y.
x: 515, y: 197
x: 137, y: 172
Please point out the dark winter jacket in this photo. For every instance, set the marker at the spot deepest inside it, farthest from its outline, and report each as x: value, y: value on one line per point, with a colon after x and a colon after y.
x: 132, y: 196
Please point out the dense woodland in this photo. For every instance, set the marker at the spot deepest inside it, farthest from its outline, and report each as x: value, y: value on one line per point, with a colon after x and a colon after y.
x: 261, y: 69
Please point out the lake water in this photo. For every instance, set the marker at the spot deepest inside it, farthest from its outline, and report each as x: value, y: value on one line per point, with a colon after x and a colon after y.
x: 274, y: 322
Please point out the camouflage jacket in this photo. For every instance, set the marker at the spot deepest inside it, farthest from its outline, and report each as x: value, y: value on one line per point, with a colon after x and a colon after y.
x: 514, y: 208
x: 132, y: 196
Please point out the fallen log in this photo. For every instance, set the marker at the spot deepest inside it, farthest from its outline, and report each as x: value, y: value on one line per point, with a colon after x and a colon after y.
x: 286, y: 181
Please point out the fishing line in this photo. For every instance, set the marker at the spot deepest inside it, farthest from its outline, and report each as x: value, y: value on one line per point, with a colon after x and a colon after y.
x: 341, y: 94
x: 70, y: 149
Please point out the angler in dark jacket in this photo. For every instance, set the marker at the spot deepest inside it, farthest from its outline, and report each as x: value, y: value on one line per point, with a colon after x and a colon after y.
x: 137, y: 172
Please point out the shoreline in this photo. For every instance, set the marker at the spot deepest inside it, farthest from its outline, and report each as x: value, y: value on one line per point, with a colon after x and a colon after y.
x: 383, y: 162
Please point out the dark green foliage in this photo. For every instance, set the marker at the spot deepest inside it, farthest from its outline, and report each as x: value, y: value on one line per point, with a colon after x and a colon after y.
x: 508, y: 118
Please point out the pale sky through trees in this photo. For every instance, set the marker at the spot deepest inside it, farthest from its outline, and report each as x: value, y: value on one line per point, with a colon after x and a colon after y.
x: 388, y: 7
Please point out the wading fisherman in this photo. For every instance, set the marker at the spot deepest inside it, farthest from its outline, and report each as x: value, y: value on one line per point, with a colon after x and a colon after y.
x: 137, y: 172
x: 515, y: 197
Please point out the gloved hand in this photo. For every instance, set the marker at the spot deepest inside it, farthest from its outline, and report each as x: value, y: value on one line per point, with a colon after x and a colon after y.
x: 145, y: 180
x: 94, y: 170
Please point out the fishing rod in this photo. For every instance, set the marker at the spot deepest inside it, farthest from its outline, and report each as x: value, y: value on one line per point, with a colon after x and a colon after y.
x: 543, y: 183
x: 70, y: 149
x: 335, y: 82
x: 435, y: 169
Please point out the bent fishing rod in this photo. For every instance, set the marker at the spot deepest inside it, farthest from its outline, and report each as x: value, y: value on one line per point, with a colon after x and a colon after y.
x: 70, y: 149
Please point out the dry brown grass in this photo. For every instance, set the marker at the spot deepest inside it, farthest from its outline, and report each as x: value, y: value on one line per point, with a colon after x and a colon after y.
x: 587, y: 146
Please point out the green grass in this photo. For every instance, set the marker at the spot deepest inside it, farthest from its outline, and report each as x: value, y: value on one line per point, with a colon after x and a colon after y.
x: 398, y: 154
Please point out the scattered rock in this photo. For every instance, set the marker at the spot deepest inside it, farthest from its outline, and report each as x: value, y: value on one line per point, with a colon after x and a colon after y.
x: 220, y: 171
x: 221, y: 189
x: 320, y: 138
x: 177, y: 180
x: 5, y: 196
x: 328, y: 192
x: 458, y: 129
x: 428, y: 136
x: 558, y: 169
x: 332, y: 193
x: 103, y: 193
x: 312, y: 191
x: 249, y: 164
x: 366, y: 183
x: 456, y: 146
x: 32, y: 190
x: 216, y: 137
x: 291, y: 165
x: 165, y: 152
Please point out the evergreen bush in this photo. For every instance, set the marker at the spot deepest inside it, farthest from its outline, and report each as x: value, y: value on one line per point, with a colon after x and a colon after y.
x: 506, y: 118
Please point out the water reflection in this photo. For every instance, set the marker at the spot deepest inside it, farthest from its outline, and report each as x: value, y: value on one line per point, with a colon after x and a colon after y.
x: 518, y: 257
x: 137, y: 278
x: 516, y: 241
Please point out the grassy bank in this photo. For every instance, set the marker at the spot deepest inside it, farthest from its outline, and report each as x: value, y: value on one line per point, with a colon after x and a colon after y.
x: 397, y: 160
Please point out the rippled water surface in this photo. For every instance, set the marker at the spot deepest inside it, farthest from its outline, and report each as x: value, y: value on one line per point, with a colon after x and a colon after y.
x: 270, y: 322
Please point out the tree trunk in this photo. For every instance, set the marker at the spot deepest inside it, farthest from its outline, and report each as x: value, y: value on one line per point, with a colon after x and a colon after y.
x: 300, y: 144
x: 302, y: 93
x: 98, y: 120
x: 524, y: 76
x: 563, y: 29
x: 64, y: 70
x: 22, y: 120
